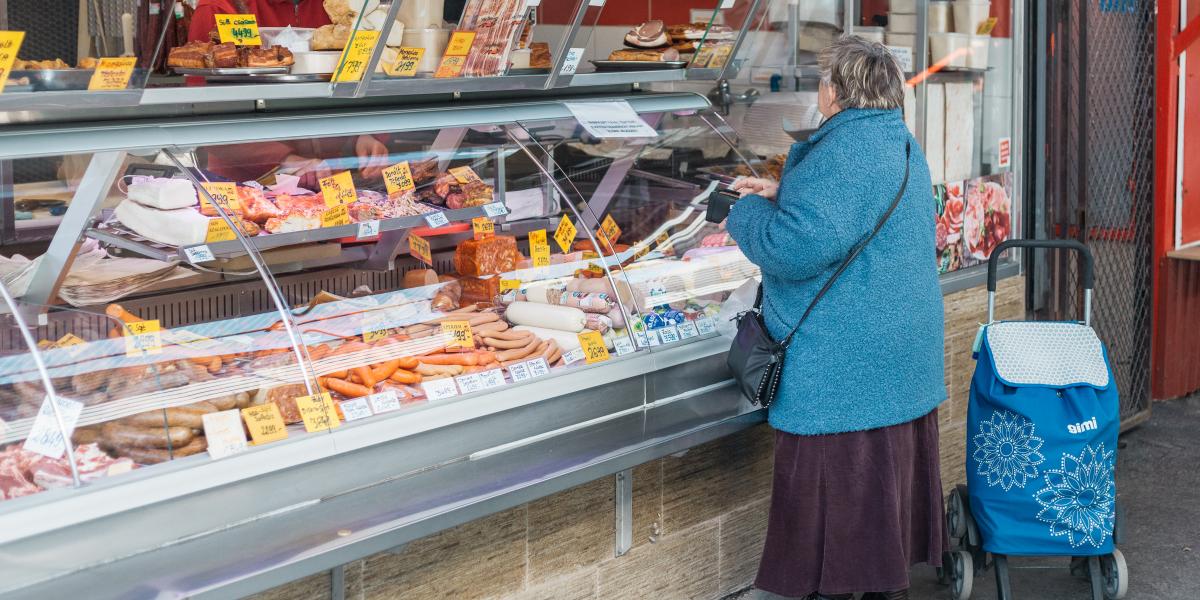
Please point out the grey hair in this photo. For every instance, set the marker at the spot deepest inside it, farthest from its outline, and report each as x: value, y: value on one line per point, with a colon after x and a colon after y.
x: 863, y: 74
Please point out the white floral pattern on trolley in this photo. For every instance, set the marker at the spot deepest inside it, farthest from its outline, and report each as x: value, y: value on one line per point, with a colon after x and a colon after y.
x: 1080, y: 498
x: 1007, y: 450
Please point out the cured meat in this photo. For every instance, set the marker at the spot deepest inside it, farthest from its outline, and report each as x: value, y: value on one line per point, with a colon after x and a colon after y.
x: 190, y: 56
x: 488, y: 256
x: 296, y: 220
x: 651, y: 34
x: 255, y: 205
x: 287, y: 203
x: 275, y: 56
x: 223, y: 56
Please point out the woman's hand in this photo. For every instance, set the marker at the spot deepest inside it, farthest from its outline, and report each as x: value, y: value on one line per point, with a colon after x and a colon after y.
x: 310, y: 170
x: 756, y: 185
x: 372, y: 156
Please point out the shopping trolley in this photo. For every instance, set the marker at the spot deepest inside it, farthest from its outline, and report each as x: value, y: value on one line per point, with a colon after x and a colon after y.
x: 1042, y: 428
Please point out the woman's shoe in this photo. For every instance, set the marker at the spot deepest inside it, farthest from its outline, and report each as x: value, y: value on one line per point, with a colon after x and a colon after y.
x: 896, y: 595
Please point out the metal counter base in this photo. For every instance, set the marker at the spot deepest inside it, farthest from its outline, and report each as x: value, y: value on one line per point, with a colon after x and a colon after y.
x: 320, y: 533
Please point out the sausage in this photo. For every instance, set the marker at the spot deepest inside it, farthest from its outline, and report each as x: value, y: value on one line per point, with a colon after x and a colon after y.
x: 518, y: 353
x: 180, y: 416
x: 431, y: 371
x: 119, y: 435
x: 153, y: 456
x: 562, y: 318
x: 509, y: 344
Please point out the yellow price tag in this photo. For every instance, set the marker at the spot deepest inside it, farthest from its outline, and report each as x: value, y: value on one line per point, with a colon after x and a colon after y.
x: 10, y: 44
x: 374, y: 333
x: 460, y: 43
x: 69, y: 340
x: 465, y: 175
x: 594, y: 348
x: 451, y: 66
x: 112, y: 74
x: 333, y: 217
x: 483, y: 227
x: 241, y: 29
x: 611, y: 230
x: 590, y: 255
x: 224, y: 193
x: 356, y: 56
x: 703, y: 57
x: 720, y: 56
x: 407, y: 60
x: 398, y: 179
x: 419, y: 247
x: 218, y: 231
x: 338, y: 189
x: 662, y: 240
x: 265, y: 423
x: 565, y: 234
x: 643, y: 252
x: 986, y: 27
x: 142, y: 338
x: 539, y: 248
x: 458, y: 335
x: 318, y: 412
x: 509, y: 285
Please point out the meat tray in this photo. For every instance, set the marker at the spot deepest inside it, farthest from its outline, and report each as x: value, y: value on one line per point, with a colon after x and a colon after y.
x: 240, y: 71
x: 638, y: 65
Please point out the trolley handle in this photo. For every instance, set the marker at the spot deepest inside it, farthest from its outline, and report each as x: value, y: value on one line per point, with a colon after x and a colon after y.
x: 1086, y: 277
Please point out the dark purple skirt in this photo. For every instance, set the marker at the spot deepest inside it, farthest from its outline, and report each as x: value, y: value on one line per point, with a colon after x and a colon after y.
x: 851, y: 512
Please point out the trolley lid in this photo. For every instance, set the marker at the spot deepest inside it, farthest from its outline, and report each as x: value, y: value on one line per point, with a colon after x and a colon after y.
x: 1047, y: 353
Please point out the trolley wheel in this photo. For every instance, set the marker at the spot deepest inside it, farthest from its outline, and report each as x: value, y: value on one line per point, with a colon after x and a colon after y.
x: 961, y: 569
x: 1116, y: 575
x: 956, y: 515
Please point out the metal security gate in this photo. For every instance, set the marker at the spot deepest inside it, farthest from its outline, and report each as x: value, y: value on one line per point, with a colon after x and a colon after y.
x: 1098, y: 175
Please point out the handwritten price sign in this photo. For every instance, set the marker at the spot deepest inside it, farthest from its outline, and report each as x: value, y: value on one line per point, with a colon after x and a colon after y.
x: 458, y: 335
x: 338, y: 189
x: 407, y: 61
x: 240, y: 29
x: 265, y: 423
x: 112, y: 74
x: 10, y: 44
x: 142, y: 339
x: 318, y: 412
x: 356, y: 56
x: 565, y: 234
x: 398, y: 178
x: 419, y: 247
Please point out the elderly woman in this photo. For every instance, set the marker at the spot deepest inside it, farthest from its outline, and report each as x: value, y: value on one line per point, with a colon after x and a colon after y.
x: 857, y: 496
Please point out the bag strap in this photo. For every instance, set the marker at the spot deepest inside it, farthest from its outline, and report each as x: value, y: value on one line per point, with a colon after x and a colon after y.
x: 854, y: 252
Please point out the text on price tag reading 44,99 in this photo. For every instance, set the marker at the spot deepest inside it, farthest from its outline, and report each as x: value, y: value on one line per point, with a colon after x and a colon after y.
x: 318, y: 412
x: 458, y: 335
x: 565, y: 234
x: 142, y: 338
x: 419, y: 248
x: 240, y: 29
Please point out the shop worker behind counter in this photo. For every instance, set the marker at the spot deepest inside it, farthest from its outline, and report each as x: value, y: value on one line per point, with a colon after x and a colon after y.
x: 857, y: 495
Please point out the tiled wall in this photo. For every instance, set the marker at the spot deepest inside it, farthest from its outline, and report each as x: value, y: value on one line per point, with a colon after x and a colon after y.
x: 699, y: 518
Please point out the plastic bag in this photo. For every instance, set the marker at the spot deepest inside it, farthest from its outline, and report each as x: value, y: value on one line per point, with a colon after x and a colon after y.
x: 740, y: 301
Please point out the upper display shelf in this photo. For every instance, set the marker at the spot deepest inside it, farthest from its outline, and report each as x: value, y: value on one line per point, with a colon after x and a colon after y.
x: 199, y: 51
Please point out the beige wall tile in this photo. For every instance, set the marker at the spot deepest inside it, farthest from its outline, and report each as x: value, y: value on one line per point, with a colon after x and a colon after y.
x: 571, y: 529
x: 681, y: 566
x: 476, y: 560
x: 743, y: 533
x: 580, y: 585
x: 953, y: 456
x: 647, y: 502
x: 314, y: 587
x: 716, y: 477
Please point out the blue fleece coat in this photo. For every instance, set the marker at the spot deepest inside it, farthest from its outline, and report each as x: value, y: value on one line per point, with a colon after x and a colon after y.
x: 871, y: 353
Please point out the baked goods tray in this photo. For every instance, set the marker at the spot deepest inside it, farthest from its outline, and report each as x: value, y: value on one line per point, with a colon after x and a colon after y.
x: 239, y: 71
x: 55, y: 80
x: 638, y: 65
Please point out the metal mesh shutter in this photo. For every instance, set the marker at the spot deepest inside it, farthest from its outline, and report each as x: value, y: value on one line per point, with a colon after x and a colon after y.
x: 1099, y: 176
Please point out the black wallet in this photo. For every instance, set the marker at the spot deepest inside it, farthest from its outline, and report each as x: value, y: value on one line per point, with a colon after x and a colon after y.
x: 719, y: 203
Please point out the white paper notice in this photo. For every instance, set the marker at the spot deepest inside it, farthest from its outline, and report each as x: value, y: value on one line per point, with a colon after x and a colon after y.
x: 687, y: 330
x: 45, y: 437
x: 382, y: 402
x: 199, y: 254
x: 574, y: 55
x: 367, y: 229
x: 436, y: 219
x: 495, y: 209
x: 439, y: 389
x: 706, y: 326
x: 356, y: 409
x: 904, y: 56
x: 611, y: 120
x: 519, y: 372
x: 573, y: 356
x: 623, y: 346
x: 224, y: 433
x: 669, y: 334
x: 538, y: 367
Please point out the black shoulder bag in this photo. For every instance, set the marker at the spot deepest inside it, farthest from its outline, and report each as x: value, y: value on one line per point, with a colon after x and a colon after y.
x: 755, y: 359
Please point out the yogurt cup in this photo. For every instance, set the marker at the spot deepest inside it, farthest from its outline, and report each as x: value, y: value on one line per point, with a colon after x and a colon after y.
x: 954, y: 45
x: 940, y: 20
x: 902, y: 22
x: 968, y: 15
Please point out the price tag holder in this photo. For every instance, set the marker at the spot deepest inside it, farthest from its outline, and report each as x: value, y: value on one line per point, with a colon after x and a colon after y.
x: 538, y: 367
x: 356, y: 56
x: 571, y: 64
x: 440, y: 389
x: 223, y: 193
x: 623, y: 345
x: 458, y: 335
x: 45, y: 437
x: 398, y: 178
x: 519, y: 372
x: 318, y: 412
x: 265, y: 423
x: 565, y: 234
x: 436, y: 219
x: 593, y: 346
x: 465, y: 175
x: 367, y: 229
x: 142, y: 338
x: 407, y: 61
x: 338, y: 189
x: 335, y: 217
x: 687, y: 330
x: 199, y: 254
x: 706, y: 326
x: 509, y: 285
x: 112, y: 74
x: 10, y: 44
x: 469, y: 384
x: 385, y: 401
x: 492, y: 378
x: 224, y: 433
x: 611, y: 230
x: 573, y: 356
x: 240, y: 29
x: 495, y: 209
x: 483, y: 227
x: 419, y: 247
x: 668, y: 334
x: 356, y: 409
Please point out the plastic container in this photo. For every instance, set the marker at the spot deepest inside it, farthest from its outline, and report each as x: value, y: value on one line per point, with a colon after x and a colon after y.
x: 939, y: 17
x: 902, y: 22
x: 978, y: 58
x: 419, y: 14
x: 903, y: 6
x: 954, y: 45
x: 297, y: 41
x: 968, y: 15
x: 433, y: 40
x: 874, y: 34
x: 315, y: 62
x: 906, y: 40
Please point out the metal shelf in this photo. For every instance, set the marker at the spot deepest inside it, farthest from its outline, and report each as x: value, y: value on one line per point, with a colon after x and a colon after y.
x: 627, y: 77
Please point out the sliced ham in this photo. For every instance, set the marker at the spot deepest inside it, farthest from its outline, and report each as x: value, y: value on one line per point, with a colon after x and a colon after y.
x: 651, y: 34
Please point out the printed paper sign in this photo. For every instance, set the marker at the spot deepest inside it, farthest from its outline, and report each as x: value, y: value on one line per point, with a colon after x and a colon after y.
x: 574, y: 55
x: 240, y: 29
x: 142, y: 338
x: 10, y: 44
x: 458, y: 335
x: 407, y: 60
x: 338, y: 189
x: 45, y: 437
x: 593, y: 346
x: 385, y: 401
x: 398, y: 179
x: 224, y: 433
x: 611, y: 120
x: 112, y: 74
x: 419, y: 247
x: 265, y: 423
x: 904, y: 56
x: 318, y: 412
x: 356, y: 409
x: 356, y: 56
x: 439, y: 389
x: 565, y: 234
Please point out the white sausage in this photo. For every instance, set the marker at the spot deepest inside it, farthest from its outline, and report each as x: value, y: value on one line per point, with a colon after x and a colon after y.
x: 562, y: 318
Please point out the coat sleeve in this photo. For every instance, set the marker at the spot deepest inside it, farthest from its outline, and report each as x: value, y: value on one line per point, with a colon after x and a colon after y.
x: 803, y: 233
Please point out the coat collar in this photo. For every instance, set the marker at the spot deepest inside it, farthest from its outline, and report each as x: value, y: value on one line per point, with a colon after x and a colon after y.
x: 849, y: 115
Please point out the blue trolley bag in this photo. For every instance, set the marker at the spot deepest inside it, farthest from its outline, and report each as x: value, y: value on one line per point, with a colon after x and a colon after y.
x: 1042, y: 428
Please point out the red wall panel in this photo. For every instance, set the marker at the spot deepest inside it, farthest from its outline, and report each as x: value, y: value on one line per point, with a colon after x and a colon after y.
x: 1179, y: 371
x: 627, y: 12
x: 1190, y: 223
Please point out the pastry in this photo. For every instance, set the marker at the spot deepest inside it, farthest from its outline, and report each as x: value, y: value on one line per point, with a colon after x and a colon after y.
x: 330, y: 37
x: 664, y: 54
x: 539, y: 57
